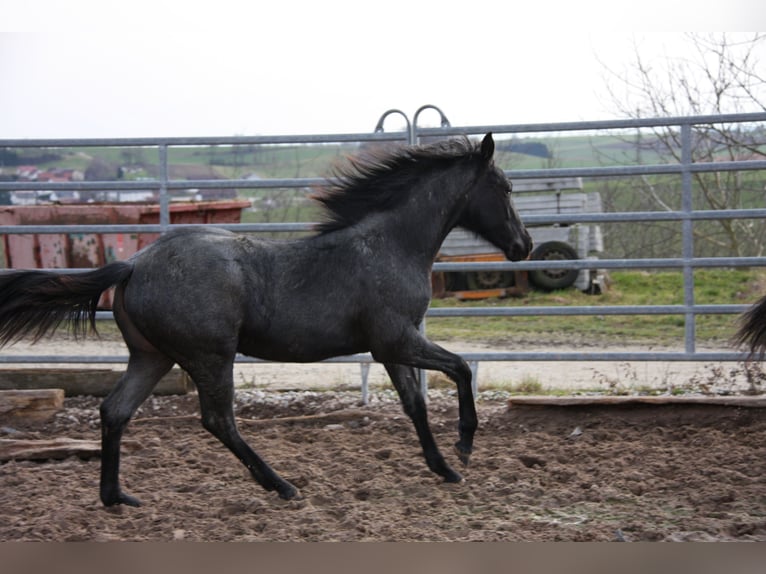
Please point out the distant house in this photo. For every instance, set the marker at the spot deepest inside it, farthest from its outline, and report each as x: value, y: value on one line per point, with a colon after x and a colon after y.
x: 213, y: 194
x: 55, y: 174
x: 33, y: 173
x: 31, y: 197
x: 66, y: 196
x: 60, y: 174
x: 127, y: 196
x: 27, y: 172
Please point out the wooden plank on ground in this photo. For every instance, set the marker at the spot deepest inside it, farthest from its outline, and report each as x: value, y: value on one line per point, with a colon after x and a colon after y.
x: 94, y: 382
x: 546, y: 401
x: 54, y: 449
x: 30, y: 405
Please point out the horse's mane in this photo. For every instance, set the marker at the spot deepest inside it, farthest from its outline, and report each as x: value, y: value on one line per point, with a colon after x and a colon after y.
x: 378, y: 179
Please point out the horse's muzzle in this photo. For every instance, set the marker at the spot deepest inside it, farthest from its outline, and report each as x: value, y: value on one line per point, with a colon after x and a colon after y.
x: 519, y: 250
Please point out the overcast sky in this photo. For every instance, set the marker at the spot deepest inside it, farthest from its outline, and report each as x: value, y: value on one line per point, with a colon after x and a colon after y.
x: 84, y: 68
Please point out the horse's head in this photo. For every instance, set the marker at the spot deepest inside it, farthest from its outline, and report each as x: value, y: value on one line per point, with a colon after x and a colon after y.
x: 490, y: 212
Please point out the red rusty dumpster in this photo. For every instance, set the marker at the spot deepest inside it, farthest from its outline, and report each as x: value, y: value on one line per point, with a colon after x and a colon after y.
x: 84, y: 250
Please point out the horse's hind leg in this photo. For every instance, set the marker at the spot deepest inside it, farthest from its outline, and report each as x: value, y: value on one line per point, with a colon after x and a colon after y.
x: 144, y: 370
x: 216, y: 396
x: 405, y: 381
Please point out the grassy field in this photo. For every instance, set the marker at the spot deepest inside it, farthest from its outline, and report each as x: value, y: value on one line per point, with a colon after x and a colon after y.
x: 290, y: 160
x: 718, y: 286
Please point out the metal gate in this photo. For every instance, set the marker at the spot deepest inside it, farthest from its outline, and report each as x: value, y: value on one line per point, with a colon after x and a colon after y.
x: 686, y: 216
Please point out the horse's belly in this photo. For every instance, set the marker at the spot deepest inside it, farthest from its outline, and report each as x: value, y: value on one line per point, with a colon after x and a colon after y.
x: 287, y: 353
x: 303, y: 346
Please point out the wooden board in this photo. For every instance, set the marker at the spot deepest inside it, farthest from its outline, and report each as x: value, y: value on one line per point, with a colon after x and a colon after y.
x: 545, y: 401
x: 54, y: 449
x: 94, y: 382
x: 30, y: 405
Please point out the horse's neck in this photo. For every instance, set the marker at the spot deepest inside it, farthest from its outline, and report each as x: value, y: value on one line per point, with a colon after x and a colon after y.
x: 415, y: 228
x: 431, y: 213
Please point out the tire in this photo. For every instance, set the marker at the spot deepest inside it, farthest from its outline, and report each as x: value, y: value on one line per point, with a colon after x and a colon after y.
x: 552, y: 279
x: 488, y: 280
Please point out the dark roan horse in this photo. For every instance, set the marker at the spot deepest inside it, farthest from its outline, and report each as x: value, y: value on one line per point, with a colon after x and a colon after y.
x: 198, y: 296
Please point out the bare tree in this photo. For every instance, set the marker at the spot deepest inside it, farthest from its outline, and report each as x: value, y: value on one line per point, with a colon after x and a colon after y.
x: 723, y: 75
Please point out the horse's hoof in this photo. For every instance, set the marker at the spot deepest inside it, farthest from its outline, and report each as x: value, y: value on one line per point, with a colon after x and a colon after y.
x: 121, y: 498
x: 289, y: 492
x: 453, y: 477
x: 464, y: 456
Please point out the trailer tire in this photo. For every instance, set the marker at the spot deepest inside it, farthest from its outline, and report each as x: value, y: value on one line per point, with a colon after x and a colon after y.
x: 488, y: 280
x: 552, y: 279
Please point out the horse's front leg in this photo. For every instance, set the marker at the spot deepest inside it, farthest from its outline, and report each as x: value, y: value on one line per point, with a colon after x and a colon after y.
x: 461, y: 374
x: 416, y: 351
x: 414, y: 405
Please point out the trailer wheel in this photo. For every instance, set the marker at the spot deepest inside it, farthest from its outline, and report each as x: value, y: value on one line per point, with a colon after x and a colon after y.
x: 488, y: 280
x: 552, y: 279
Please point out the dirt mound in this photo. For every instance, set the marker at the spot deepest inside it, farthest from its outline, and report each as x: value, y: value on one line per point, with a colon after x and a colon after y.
x: 574, y: 473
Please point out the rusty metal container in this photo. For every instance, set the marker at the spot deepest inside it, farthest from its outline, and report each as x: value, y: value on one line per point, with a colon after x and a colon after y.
x: 85, y: 250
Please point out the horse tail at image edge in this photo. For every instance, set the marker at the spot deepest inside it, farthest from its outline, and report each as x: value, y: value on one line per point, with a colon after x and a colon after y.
x: 752, y: 329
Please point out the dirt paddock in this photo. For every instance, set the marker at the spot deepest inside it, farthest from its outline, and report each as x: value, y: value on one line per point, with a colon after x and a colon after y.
x: 652, y: 473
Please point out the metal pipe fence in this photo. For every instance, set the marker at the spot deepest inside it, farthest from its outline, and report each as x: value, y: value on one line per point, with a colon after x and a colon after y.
x: 686, y: 216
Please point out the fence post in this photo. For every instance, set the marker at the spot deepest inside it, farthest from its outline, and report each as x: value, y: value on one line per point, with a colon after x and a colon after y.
x: 164, y: 199
x: 365, y: 367
x: 687, y: 232
x: 422, y: 375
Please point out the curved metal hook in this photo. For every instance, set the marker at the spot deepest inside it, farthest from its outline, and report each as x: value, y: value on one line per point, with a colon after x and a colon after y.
x: 379, y: 126
x: 442, y: 118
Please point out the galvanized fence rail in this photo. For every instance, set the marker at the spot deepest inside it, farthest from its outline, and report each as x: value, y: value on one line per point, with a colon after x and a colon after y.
x: 687, y: 215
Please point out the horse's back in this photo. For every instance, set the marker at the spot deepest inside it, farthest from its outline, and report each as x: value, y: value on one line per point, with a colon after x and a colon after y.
x: 195, y: 252
x: 190, y: 283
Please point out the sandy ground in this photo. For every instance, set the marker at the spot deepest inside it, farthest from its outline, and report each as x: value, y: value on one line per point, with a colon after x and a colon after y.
x: 633, y: 474
x: 692, y: 473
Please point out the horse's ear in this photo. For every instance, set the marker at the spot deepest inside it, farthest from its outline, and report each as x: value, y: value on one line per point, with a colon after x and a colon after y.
x: 487, y: 147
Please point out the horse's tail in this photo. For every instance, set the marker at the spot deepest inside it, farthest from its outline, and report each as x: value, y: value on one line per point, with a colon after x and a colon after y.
x: 38, y: 302
x: 752, y: 329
